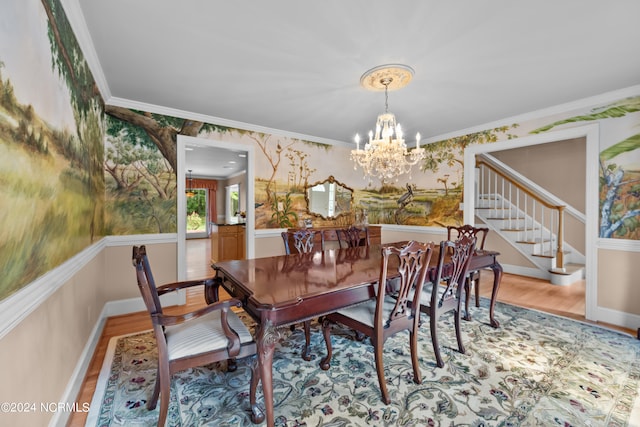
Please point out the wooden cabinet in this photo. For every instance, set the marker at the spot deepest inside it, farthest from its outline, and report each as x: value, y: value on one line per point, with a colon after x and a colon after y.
x: 227, y: 242
x: 375, y: 234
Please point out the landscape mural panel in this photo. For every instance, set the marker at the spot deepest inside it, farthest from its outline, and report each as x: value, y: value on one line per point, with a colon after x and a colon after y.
x: 431, y: 196
x: 619, y: 160
x: 51, y: 143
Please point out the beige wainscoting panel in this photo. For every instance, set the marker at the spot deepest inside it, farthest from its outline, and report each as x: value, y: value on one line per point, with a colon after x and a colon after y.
x: 269, y: 246
x: 121, y: 277
x: 38, y: 357
x: 618, y: 283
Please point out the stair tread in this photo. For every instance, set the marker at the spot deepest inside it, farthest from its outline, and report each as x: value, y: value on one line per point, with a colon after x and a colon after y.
x: 531, y: 240
x: 504, y: 219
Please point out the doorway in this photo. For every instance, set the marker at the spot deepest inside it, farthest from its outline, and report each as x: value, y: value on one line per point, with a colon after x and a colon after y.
x: 198, y: 218
x: 591, y: 135
x: 247, y: 151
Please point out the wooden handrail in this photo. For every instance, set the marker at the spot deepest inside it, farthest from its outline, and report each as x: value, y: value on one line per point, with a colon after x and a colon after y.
x: 520, y: 186
x: 529, y: 192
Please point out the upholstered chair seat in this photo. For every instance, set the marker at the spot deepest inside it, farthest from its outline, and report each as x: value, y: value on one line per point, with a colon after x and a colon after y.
x: 203, y: 335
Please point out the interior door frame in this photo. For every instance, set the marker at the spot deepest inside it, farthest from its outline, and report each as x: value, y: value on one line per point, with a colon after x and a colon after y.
x: 591, y: 133
x: 248, y: 149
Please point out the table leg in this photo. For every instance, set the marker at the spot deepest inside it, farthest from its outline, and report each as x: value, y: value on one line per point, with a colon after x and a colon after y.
x: 306, y: 352
x: 267, y: 337
x: 497, y: 277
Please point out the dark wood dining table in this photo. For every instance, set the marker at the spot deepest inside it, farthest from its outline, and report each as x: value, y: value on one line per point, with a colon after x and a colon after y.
x: 282, y: 290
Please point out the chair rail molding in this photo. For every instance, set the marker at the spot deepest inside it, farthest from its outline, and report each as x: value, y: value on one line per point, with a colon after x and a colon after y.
x: 18, y: 306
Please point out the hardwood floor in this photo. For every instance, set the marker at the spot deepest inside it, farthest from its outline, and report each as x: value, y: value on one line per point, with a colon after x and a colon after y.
x: 567, y: 301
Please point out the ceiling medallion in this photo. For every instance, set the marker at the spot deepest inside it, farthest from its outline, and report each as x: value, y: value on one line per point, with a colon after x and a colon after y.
x: 385, y: 155
x: 399, y: 76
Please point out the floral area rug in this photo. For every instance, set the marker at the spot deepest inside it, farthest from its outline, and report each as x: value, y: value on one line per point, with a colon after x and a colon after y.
x: 535, y: 370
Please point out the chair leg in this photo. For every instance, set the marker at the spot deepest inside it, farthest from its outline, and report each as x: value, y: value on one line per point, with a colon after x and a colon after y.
x: 456, y: 314
x: 232, y: 365
x: 417, y: 375
x: 153, y: 400
x: 380, y: 370
x: 325, y: 363
x: 307, y: 339
x: 165, y: 386
x: 476, y: 284
x: 433, y: 321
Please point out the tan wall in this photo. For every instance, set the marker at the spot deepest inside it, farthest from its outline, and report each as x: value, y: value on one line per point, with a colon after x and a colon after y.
x: 389, y: 236
x: 121, y: 280
x: 618, y: 284
x: 271, y: 246
x: 38, y: 357
x: 558, y: 166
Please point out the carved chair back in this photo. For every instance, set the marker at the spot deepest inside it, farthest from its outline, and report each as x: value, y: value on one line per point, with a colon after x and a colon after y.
x: 353, y: 236
x: 301, y: 241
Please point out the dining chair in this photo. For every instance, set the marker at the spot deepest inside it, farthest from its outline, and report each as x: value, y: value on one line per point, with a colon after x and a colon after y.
x: 304, y: 241
x: 353, y: 236
x: 210, y: 334
x: 444, y: 292
x: 473, y: 279
x: 384, y: 316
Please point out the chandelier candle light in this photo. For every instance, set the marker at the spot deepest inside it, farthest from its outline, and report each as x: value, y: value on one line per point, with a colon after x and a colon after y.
x: 385, y: 155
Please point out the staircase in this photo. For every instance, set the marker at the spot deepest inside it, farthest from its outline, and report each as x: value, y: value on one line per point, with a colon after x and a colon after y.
x: 530, y: 220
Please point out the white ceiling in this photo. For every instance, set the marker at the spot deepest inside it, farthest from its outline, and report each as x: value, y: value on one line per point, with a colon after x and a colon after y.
x: 295, y: 66
x: 203, y: 160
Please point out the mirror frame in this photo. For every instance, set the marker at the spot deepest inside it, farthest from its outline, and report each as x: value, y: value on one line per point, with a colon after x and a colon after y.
x: 330, y: 180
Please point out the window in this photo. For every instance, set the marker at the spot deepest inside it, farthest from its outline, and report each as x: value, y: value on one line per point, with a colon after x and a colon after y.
x: 233, y: 204
x: 197, y: 212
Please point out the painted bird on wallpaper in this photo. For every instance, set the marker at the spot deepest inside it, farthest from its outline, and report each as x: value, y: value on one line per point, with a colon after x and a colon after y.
x: 406, y: 198
x: 403, y: 201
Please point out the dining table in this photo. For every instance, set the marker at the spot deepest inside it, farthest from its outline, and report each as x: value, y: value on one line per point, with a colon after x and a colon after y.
x: 283, y: 290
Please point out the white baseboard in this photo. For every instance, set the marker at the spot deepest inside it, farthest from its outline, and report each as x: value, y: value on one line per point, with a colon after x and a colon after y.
x: 61, y: 418
x: 619, y: 318
x: 525, y: 271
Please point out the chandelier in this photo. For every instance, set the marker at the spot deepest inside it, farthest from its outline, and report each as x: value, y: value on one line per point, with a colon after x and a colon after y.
x: 190, y: 193
x: 385, y: 155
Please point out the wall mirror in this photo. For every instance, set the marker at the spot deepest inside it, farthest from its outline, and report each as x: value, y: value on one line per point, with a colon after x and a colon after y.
x: 328, y: 199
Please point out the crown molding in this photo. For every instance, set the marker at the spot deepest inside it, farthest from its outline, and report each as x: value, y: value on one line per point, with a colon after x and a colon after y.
x: 18, y: 306
x: 158, y: 109
x: 592, y: 101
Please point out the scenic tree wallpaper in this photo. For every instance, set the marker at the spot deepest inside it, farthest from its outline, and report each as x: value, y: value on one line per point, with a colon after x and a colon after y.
x: 52, y: 189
